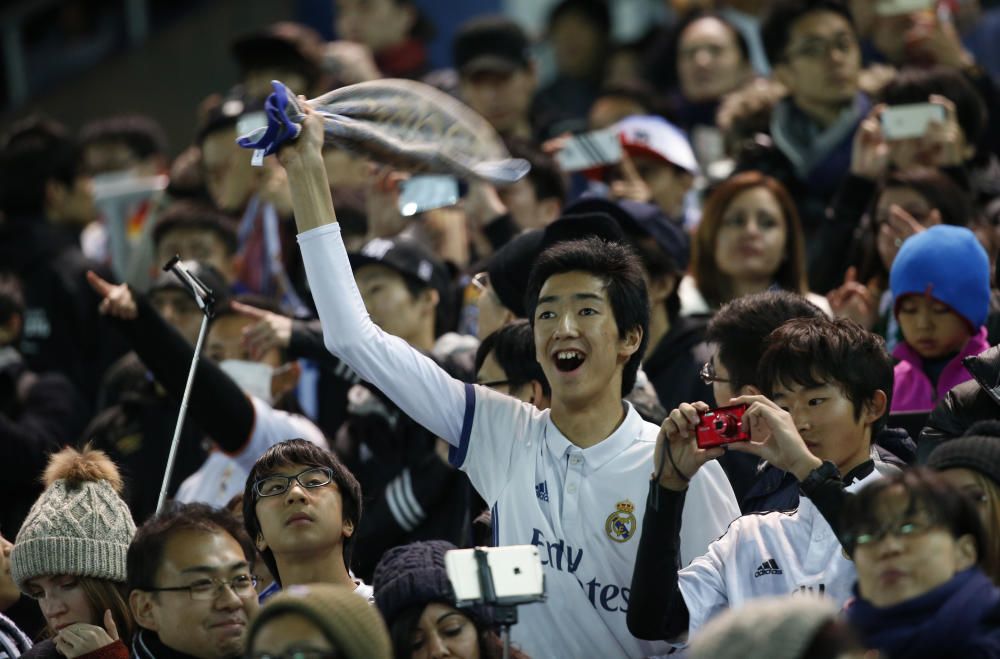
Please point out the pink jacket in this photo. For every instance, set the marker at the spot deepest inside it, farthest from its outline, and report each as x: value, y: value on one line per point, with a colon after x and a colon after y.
x: 912, y: 390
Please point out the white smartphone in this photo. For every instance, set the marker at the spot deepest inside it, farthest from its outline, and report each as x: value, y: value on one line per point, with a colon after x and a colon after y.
x: 516, y: 573
x: 900, y: 122
x: 427, y: 192
x: 897, y: 7
x: 588, y: 150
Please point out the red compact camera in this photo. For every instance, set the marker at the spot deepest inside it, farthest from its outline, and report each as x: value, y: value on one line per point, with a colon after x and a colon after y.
x: 722, y: 426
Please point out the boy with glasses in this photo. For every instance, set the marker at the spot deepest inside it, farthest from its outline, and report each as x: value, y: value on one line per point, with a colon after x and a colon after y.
x: 191, y: 585
x: 302, y: 508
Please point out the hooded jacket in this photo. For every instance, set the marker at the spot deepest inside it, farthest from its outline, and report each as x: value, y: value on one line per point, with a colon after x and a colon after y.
x: 912, y: 389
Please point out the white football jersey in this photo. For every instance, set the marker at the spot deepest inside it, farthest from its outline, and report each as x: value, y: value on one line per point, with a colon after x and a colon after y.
x: 770, y: 554
x: 582, y: 508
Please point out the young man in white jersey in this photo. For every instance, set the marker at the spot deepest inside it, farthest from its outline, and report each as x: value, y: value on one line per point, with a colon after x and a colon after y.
x: 825, y: 385
x: 569, y: 479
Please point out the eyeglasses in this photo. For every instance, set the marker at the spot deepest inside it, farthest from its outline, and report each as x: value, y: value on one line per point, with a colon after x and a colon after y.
x: 907, y: 528
x: 707, y: 374
x: 481, y: 281
x: 818, y: 48
x: 272, y: 486
x: 242, y: 585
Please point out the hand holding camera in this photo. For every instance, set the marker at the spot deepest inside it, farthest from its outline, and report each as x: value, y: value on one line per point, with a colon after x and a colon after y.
x: 774, y: 437
x: 678, y: 456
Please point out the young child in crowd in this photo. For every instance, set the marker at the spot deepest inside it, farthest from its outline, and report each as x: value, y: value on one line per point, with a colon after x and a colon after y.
x: 940, y: 283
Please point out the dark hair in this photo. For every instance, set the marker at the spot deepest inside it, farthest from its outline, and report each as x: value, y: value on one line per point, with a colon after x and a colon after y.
x: 619, y: 267
x: 776, y: 28
x: 300, y: 452
x: 701, y: 14
x: 595, y: 11
x: 941, y: 191
x: 545, y: 176
x: 741, y: 327
x: 637, y: 91
x: 145, y: 554
x: 142, y: 134
x: 912, y: 85
x: 190, y: 214
x: 928, y: 492
x: 712, y: 283
x: 402, y: 627
x: 513, y: 346
x: 658, y: 264
x: 817, y: 351
x: 11, y: 296
x: 35, y: 152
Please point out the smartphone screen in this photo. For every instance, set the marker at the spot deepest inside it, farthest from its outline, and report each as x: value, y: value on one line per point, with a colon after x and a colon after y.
x: 900, y: 122
x: 424, y: 193
x: 897, y: 7
x: 588, y: 150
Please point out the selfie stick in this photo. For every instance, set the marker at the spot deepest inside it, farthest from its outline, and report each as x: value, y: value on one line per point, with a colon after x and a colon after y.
x: 204, y: 297
x: 504, y: 616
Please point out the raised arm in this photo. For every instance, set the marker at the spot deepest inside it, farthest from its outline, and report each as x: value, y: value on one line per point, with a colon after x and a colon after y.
x: 412, y: 380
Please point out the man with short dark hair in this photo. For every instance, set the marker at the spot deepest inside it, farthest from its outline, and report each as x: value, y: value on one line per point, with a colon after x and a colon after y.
x: 814, y: 52
x: 302, y: 508
x: 505, y: 362
x: 190, y: 585
x: 564, y: 479
x: 198, y: 232
x: 44, y: 190
x: 497, y: 76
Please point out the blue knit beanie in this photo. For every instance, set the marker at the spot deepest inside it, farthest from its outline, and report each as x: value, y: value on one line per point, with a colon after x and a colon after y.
x: 947, y: 263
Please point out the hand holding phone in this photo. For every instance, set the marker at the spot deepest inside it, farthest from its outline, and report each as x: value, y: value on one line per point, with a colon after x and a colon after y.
x: 589, y: 150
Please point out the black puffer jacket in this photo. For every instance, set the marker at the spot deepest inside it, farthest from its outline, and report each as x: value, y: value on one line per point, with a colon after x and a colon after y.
x: 975, y: 400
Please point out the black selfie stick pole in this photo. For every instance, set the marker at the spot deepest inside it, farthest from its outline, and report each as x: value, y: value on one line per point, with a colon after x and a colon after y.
x: 205, y: 299
x: 504, y: 615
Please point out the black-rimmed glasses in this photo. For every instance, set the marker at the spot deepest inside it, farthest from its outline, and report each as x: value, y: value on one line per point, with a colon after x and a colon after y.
x: 271, y: 486
x: 707, y: 374
x: 242, y: 585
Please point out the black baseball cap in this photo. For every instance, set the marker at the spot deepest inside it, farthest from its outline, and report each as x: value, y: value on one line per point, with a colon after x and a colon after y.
x: 637, y: 218
x: 510, y: 267
x: 490, y: 44
x: 407, y: 257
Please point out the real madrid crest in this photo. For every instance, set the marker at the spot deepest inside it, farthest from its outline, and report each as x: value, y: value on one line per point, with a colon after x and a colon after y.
x: 620, y: 525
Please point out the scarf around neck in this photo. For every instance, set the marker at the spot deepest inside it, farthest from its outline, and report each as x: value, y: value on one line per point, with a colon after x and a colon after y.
x: 945, y: 622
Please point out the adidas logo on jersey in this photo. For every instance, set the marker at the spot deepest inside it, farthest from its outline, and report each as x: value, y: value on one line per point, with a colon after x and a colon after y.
x: 542, y: 491
x: 767, y: 567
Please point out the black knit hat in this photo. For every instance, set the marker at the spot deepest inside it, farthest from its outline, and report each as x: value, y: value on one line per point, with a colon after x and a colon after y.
x: 979, y: 453
x: 414, y: 575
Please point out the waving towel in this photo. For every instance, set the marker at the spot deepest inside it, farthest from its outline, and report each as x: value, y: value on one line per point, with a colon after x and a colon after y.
x: 403, y: 123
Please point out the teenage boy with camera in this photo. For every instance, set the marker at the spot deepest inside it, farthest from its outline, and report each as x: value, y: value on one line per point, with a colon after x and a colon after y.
x: 566, y: 479
x: 825, y: 385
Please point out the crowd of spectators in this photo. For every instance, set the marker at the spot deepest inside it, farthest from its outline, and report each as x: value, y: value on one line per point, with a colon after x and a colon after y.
x: 786, y: 209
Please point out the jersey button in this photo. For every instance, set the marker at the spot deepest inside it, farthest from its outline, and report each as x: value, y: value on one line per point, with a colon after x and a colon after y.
x: 571, y: 489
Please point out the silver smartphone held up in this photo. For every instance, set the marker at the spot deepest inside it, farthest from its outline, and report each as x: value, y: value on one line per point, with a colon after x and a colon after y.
x: 514, y: 574
x: 427, y: 192
x: 900, y: 122
x: 589, y: 150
